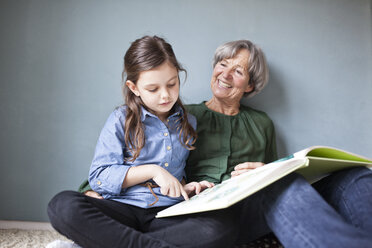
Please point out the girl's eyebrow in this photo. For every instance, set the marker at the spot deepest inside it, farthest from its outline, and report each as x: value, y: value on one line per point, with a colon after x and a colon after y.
x: 176, y: 76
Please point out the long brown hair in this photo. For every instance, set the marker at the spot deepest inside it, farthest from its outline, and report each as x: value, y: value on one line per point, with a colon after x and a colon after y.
x: 145, y: 54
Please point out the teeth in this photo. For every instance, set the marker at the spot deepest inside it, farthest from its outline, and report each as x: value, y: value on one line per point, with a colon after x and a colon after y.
x: 223, y: 84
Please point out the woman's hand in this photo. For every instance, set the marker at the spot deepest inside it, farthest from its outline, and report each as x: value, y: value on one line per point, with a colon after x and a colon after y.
x: 244, y: 167
x: 194, y: 188
x: 169, y: 185
x: 93, y: 194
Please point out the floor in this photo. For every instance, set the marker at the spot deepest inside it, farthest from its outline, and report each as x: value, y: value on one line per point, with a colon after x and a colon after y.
x: 23, y: 234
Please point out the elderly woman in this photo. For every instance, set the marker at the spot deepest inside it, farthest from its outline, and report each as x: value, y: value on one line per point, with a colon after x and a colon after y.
x: 335, y: 212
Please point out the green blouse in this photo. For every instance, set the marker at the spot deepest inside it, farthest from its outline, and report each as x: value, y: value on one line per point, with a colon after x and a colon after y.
x: 225, y: 141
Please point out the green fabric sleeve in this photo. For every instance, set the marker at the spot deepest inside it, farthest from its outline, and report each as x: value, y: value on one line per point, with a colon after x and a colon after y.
x: 84, y: 187
x: 271, y: 151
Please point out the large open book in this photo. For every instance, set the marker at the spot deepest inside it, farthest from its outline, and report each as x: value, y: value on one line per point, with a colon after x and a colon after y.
x: 313, y: 163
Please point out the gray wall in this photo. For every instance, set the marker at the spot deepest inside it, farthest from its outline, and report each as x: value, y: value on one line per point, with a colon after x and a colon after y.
x: 61, y: 62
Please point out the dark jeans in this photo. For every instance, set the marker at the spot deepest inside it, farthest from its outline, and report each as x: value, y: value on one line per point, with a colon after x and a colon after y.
x: 334, y: 212
x: 92, y: 222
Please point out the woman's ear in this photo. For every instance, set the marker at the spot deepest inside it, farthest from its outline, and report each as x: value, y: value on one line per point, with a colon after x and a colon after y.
x: 132, y: 87
x: 249, y: 88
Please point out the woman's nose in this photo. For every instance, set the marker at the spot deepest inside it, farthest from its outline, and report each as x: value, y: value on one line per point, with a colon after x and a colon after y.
x: 226, y: 73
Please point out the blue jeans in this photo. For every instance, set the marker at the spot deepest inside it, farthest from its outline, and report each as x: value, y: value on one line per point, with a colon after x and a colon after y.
x: 334, y: 212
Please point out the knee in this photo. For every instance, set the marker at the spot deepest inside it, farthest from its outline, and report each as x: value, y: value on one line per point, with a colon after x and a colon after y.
x: 356, y: 181
x: 343, y: 180
x: 62, y: 200
x: 63, y: 206
x: 291, y: 182
x: 354, y: 174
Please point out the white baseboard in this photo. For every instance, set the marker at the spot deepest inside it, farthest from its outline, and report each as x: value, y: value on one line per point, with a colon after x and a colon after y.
x: 26, y: 225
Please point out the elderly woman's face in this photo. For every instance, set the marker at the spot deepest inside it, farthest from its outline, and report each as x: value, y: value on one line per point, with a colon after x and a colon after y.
x: 230, y: 77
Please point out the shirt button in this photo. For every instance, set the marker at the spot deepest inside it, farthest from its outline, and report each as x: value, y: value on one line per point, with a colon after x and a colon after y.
x: 165, y: 134
x: 99, y: 182
x: 168, y: 148
x: 167, y: 120
x: 166, y: 164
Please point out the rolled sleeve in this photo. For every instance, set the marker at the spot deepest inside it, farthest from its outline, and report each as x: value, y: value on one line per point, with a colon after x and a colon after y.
x: 109, y: 179
x: 108, y: 169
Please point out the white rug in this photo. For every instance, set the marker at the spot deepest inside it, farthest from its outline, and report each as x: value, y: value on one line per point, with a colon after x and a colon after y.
x: 17, y: 238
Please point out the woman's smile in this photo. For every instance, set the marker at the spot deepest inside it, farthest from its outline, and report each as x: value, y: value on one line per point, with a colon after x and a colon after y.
x: 223, y: 85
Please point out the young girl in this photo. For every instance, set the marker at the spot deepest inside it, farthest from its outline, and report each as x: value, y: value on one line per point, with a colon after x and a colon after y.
x: 138, y: 166
x: 141, y: 152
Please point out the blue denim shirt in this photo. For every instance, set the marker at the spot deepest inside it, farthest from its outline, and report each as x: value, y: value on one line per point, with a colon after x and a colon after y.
x: 162, y: 147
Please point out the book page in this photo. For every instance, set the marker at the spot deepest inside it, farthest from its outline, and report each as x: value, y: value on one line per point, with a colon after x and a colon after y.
x: 235, y: 189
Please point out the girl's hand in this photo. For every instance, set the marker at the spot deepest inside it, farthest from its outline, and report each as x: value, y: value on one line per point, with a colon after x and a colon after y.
x: 194, y: 188
x: 169, y: 185
x: 93, y: 194
x: 244, y: 167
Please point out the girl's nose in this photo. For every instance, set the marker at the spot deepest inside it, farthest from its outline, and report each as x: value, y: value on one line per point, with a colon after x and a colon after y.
x: 164, y: 94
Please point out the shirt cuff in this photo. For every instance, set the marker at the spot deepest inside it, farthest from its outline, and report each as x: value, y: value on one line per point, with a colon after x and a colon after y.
x: 109, y: 180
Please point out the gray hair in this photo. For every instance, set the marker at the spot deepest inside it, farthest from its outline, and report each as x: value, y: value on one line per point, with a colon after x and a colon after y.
x: 257, y: 68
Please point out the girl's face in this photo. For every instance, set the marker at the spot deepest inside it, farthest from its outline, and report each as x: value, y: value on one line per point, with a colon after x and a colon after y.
x: 158, y: 89
x: 230, y: 77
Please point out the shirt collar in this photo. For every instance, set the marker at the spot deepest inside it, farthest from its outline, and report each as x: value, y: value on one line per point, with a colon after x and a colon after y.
x: 145, y: 113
